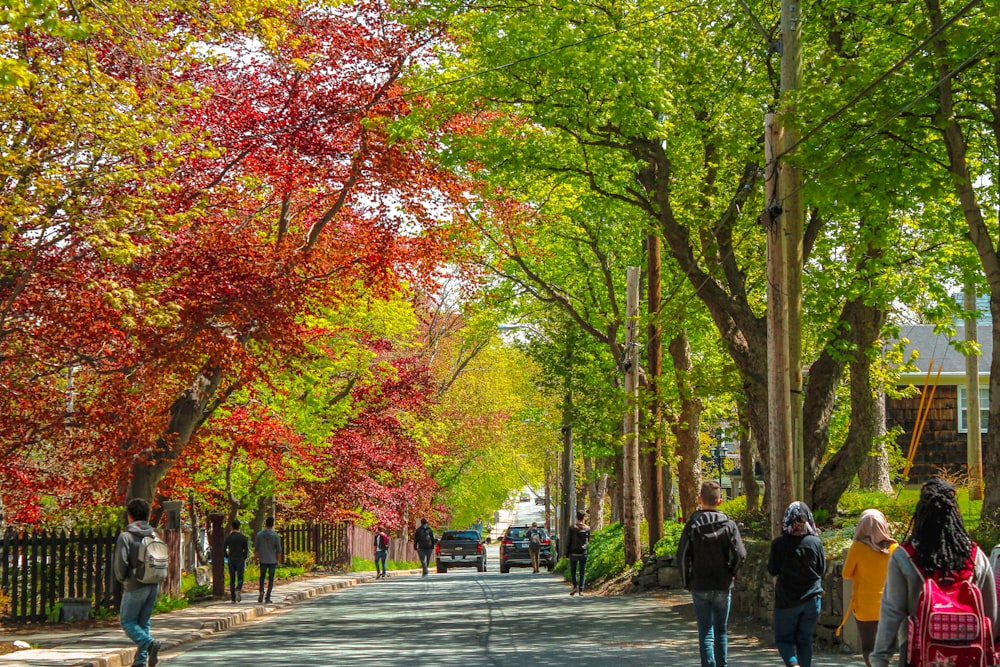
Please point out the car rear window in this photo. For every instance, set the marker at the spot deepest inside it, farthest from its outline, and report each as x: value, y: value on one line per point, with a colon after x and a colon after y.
x: 517, y: 532
x: 460, y: 535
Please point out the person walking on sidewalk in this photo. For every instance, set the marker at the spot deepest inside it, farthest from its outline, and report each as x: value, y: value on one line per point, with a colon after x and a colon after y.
x: 381, y: 551
x: 710, y: 552
x: 576, y: 550
x: 534, y: 537
x: 237, y: 551
x: 424, y: 541
x: 938, y: 543
x: 267, y: 544
x: 138, y: 599
x: 866, y: 565
x: 798, y: 561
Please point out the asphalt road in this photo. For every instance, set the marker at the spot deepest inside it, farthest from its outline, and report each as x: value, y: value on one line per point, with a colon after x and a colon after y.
x: 469, y: 618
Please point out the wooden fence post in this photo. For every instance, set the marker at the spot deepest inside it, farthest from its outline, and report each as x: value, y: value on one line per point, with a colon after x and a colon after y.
x: 217, y: 540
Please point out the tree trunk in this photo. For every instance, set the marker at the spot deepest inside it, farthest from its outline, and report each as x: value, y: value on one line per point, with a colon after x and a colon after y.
x: 687, y: 427
x: 866, y: 324
x: 669, y: 505
x: 597, y: 486
x: 652, y: 426
x: 874, y: 473
x: 615, y: 489
x: 186, y: 415
x: 748, y: 473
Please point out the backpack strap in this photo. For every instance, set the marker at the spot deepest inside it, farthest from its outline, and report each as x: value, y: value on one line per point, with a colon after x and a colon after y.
x: 968, y: 570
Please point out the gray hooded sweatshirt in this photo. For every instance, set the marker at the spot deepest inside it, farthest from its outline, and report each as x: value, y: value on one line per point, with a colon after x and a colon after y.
x: 122, y: 562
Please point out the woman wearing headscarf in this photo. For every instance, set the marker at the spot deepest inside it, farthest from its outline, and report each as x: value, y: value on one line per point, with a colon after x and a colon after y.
x: 866, y: 564
x: 798, y: 562
x: 941, y: 545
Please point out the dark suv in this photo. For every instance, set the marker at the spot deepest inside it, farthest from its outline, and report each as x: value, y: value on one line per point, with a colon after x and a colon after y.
x: 514, y: 549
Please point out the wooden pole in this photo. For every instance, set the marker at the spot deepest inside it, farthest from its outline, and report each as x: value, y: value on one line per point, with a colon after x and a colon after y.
x: 792, y: 223
x: 630, y: 455
x: 654, y: 369
x: 782, y: 452
x: 975, y: 435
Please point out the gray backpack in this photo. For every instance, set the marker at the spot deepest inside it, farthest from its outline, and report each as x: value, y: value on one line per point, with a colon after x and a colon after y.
x: 151, y: 560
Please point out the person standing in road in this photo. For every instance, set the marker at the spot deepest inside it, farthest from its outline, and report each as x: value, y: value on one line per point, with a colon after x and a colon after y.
x: 866, y: 565
x: 267, y: 544
x: 237, y: 551
x: 534, y: 537
x: 423, y: 541
x: 381, y: 551
x: 138, y: 599
x: 576, y: 550
x: 798, y: 562
x: 710, y: 552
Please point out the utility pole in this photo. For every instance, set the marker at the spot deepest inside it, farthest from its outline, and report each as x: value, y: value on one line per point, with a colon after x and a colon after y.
x: 792, y: 222
x: 654, y: 369
x: 630, y: 455
x: 975, y: 435
x: 781, y: 470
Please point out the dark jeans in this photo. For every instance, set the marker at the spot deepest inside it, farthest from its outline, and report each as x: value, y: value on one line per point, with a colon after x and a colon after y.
x: 793, y: 631
x: 236, y: 570
x: 267, y: 570
x: 577, y: 561
x: 711, y: 608
x: 867, y: 630
x: 380, y: 558
x: 425, y: 558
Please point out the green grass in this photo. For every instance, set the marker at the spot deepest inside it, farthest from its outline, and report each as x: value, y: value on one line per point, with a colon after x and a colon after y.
x: 365, y: 565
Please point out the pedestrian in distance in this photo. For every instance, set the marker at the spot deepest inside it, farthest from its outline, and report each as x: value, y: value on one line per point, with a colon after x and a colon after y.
x: 710, y: 552
x: 576, y: 551
x: 381, y: 551
x: 866, y: 565
x: 534, y: 537
x: 937, y: 543
x: 138, y: 599
x: 798, y: 562
x: 267, y: 545
x: 237, y: 551
x: 424, y: 541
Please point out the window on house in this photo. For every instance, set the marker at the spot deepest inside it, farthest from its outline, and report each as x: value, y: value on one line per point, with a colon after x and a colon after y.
x: 963, y: 409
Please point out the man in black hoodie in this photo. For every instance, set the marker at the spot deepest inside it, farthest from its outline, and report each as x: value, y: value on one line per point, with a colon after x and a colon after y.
x: 710, y: 552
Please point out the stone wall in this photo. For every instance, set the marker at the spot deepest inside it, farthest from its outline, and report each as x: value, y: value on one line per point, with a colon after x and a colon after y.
x: 753, y: 596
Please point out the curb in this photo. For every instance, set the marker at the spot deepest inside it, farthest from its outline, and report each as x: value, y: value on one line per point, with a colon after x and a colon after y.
x: 191, y: 627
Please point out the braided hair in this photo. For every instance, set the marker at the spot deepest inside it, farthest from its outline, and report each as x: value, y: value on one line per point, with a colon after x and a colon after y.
x: 937, y: 531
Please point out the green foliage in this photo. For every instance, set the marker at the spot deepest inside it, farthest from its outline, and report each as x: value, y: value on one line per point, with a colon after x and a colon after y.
x: 605, y: 555
x: 671, y: 539
x: 365, y: 565
x: 198, y: 594
x: 300, y: 559
x: 753, y: 523
x: 166, y: 604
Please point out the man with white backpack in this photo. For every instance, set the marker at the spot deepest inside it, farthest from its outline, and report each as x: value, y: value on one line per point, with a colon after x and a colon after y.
x: 139, y: 565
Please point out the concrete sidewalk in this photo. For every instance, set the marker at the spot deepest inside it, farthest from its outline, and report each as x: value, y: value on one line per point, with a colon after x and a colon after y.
x: 109, y: 647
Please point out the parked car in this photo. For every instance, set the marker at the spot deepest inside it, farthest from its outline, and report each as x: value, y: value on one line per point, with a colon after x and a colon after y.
x: 525, y: 497
x: 460, y: 548
x: 541, y: 500
x: 514, y: 549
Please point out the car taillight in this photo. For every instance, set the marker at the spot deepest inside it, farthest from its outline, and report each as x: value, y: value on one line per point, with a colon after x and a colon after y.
x: 546, y: 542
x: 437, y: 548
x: 479, y: 548
x: 507, y: 542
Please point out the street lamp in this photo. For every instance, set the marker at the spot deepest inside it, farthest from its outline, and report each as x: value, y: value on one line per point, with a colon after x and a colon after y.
x: 719, y: 451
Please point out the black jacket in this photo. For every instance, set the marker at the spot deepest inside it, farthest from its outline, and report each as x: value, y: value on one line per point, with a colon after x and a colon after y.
x: 799, y: 564
x: 710, y: 552
x: 237, y: 546
x: 579, y: 539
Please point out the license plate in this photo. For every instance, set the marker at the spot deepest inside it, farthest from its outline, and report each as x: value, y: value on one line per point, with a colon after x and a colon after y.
x: 522, y: 545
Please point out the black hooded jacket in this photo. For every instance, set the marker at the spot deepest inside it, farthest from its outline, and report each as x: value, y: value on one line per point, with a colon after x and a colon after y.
x: 710, y: 552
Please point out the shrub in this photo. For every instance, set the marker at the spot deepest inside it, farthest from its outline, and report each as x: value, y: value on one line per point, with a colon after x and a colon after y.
x: 166, y: 604
x: 671, y: 539
x: 198, y: 594
x: 300, y: 559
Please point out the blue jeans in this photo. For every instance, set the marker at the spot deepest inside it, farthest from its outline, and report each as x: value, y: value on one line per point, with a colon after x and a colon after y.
x: 236, y: 570
x: 425, y: 558
x: 267, y: 570
x: 577, y: 561
x: 134, y: 614
x: 793, y: 631
x: 711, y: 608
x: 380, y: 558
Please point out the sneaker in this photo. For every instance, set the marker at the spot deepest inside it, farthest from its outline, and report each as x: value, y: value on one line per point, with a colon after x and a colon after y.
x: 260, y: 598
x: 267, y: 600
x: 153, y: 652
x: 239, y: 596
x: 573, y: 592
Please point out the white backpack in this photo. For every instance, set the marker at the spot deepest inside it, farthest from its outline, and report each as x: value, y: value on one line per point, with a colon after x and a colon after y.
x: 151, y: 560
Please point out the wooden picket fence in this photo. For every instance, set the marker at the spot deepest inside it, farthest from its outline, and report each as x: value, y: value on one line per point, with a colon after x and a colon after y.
x: 327, y: 542
x: 40, y: 568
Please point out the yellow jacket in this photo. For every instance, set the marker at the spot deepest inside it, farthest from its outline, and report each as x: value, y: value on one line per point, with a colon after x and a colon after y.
x: 866, y: 568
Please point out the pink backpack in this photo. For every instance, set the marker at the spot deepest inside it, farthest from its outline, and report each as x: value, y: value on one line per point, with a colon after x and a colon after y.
x: 950, y: 627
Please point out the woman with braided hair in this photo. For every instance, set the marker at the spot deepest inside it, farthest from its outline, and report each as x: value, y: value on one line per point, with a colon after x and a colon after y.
x: 940, y: 545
